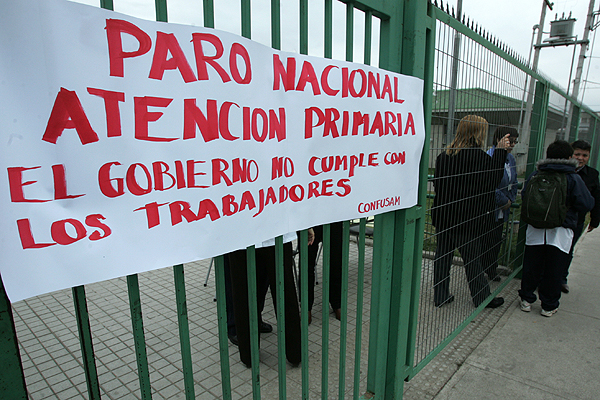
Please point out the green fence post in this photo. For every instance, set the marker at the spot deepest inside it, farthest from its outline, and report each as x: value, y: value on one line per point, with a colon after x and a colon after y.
x: 85, y: 340
x: 390, y: 47
x: 139, y: 339
x: 574, y: 131
x: 537, y: 138
x: 12, y: 378
x: 419, y: 19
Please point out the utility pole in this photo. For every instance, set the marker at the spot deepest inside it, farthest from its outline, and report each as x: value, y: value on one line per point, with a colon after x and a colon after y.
x: 577, y: 81
x: 524, y: 142
x: 453, y: 81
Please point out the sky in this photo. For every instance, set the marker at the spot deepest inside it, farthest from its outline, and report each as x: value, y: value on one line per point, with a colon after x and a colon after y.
x: 511, y: 21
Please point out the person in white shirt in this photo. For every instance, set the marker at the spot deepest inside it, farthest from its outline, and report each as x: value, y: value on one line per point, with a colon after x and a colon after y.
x: 547, y: 250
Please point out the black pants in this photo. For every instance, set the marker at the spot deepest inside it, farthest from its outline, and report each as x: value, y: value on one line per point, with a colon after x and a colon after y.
x: 576, y: 235
x: 543, y: 266
x: 335, y: 264
x: 262, y: 283
x: 470, y: 248
x: 265, y: 260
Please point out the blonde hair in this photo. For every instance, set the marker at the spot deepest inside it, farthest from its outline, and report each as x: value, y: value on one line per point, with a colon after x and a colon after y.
x: 471, y: 132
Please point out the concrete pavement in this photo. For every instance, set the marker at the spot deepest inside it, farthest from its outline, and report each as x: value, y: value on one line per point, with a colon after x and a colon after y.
x: 528, y: 356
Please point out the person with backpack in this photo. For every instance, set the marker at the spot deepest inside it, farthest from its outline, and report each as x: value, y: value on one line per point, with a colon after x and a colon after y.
x: 589, y: 175
x: 553, y: 196
x: 465, y: 181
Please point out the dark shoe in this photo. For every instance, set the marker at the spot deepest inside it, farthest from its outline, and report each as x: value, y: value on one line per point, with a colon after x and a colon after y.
x: 495, y: 303
x: 449, y: 300
x: 233, y: 339
x: 338, y: 314
x: 263, y: 327
x: 564, y: 288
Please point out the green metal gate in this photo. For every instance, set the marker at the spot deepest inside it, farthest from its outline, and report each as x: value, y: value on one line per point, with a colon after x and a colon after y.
x: 154, y: 341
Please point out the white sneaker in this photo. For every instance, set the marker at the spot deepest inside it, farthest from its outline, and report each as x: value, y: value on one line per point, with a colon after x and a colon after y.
x: 525, y: 306
x: 549, y: 313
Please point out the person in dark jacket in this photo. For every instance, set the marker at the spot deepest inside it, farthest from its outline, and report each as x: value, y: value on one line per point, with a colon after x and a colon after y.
x: 547, y: 250
x: 465, y: 182
x: 506, y: 194
x: 589, y: 175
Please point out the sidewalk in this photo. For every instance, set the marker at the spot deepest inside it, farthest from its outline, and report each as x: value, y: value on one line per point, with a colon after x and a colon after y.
x: 529, y: 356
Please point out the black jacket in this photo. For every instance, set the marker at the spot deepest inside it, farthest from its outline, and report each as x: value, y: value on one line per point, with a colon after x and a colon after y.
x: 589, y: 176
x: 465, y: 186
x: 579, y: 199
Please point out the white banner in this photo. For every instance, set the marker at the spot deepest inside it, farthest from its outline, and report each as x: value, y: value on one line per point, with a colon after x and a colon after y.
x: 129, y: 145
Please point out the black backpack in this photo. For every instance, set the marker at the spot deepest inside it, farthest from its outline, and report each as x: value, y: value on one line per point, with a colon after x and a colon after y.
x: 545, y: 200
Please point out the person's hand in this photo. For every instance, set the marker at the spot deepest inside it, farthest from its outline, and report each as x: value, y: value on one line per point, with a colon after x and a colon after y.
x: 504, y: 143
x: 311, y: 236
x: 590, y: 228
x: 507, y: 205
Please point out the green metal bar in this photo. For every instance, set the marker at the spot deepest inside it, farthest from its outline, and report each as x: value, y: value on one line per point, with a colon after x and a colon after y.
x: 222, y: 326
x: 246, y: 19
x: 209, y: 13
x: 303, y: 248
x: 390, y: 49
x: 12, y: 378
x: 135, y: 305
x: 253, y: 313
x: 344, y: 311
x: 383, y: 243
x: 86, y: 342
x: 275, y: 24
x: 359, y: 306
x: 536, y: 147
x: 161, y: 10
x: 423, y: 66
x: 325, y: 328
x: 328, y: 29
x: 368, y: 36
x: 594, y: 143
x: 107, y: 4
x: 279, y: 287
x: 184, y: 332
x: 303, y: 26
x: 403, y: 267
x: 349, y: 32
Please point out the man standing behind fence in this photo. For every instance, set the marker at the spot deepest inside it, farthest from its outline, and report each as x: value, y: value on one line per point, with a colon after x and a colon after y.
x: 552, y: 198
x: 581, y: 152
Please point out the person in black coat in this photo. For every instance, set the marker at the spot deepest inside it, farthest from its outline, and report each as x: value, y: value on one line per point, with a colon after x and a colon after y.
x: 465, y: 181
x: 589, y: 175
